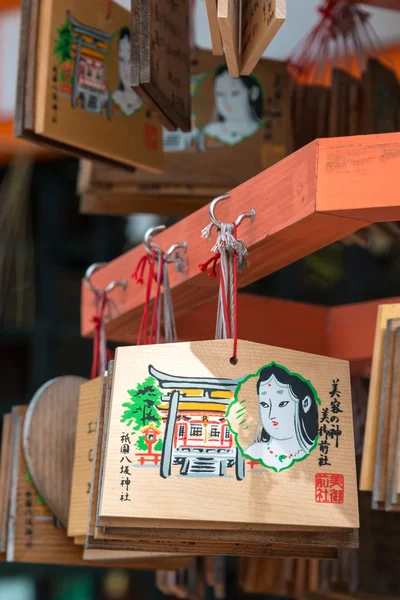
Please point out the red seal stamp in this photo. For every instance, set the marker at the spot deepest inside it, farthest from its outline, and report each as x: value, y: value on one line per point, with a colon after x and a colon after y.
x: 329, y: 488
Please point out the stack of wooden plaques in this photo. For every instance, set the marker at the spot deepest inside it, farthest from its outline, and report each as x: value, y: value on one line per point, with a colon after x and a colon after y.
x: 73, y: 91
x: 188, y: 466
x: 243, y: 29
x: 29, y: 531
x: 239, y: 127
x: 381, y: 456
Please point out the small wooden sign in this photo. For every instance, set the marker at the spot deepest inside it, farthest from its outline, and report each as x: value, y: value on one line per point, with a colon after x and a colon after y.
x: 243, y: 125
x: 230, y: 24
x: 215, y: 33
x: 261, y: 20
x: 49, y: 441
x: 164, y: 59
x: 272, y: 435
x: 5, y: 478
x: 370, y: 450
x: 74, y: 89
x: 34, y: 533
x: 84, y: 454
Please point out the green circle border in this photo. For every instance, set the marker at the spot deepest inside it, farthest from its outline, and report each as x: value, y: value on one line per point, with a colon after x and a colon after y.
x: 236, y: 400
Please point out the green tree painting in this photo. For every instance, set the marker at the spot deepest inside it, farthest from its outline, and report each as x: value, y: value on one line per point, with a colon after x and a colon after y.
x: 142, y: 408
x: 64, y: 41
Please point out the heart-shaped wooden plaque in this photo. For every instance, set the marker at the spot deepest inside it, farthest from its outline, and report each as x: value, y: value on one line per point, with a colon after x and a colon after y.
x: 49, y: 441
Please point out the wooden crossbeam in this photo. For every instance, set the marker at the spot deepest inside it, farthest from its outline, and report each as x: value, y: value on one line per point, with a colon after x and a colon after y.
x: 316, y: 196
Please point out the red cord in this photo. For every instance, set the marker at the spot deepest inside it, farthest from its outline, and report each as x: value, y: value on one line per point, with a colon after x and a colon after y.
x: 108, y: 9
x: 142, y: 335
x: 154, y: 321
x: 235, y: 334
x: 98, y: 321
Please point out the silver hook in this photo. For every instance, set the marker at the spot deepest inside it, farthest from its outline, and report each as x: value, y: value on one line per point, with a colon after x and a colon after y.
x: 212, y: 208
x: 172, y: 249
x: 247, y: 215
x: 97, y: 290
x: 147, y: 240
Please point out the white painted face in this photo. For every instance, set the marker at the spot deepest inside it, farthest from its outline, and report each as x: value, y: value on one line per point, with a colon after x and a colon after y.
x: 232, y: 98
x: 124, y: 57
x: 278, y: 409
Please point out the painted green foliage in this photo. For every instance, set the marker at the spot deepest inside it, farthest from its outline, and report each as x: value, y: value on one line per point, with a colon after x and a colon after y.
x: 142, y: 408
x: 142, y: 445
x: 63, y: 45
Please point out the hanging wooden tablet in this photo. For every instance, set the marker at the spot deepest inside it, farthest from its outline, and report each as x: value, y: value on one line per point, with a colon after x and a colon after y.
x: 215, y: 33
x: 230, y: 24
x: 106, y: 550
x: 89, y: 397
x: 385, y: 312
x: 381, y: 91
x: 261, y: 20
x: 164, y: 59
x: 385, y: 415
x: 208, y: 418
x: 242, y: 125
x: 35, y: 535
x: 49, y: 440
x: 5, y: 478
x: 74, y: 89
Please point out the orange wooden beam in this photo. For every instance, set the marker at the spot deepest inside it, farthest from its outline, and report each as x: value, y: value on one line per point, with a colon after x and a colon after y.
x: 318, y: 195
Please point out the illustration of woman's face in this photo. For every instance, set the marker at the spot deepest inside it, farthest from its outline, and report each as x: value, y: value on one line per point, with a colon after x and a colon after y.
x: 232, y: 98
x: 277, y: 409
x: 124, y: 56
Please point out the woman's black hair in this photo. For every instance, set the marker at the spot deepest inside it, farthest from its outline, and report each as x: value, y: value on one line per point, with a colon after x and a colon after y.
x: 124, y: 32
x: 308, y: 421
x: 249, y: 81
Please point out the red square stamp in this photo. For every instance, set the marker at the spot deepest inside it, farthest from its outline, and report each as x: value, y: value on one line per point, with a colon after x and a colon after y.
x: 150, y: 136
x: 329, y: 488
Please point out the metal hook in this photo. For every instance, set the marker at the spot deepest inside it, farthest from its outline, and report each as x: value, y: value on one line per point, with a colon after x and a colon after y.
x: 172, y: 249
x: 247, y: 215
x: 147, y: 240
x: 97, y: 290
x: 212, y: 208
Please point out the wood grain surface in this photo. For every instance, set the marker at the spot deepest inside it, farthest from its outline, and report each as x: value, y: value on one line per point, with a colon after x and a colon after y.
x: 385, y: 312
x: 173, y: 497
x: 5, y: 478
x: 230, y: 24
x: 89, y: 397
x: 49, y: 441
x: 164, y: 63
x: 261, y: 22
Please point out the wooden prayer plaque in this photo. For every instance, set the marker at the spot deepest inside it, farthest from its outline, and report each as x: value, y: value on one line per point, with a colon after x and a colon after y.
x: 5, y: 478
x: 243, y: 125
x: 89, y: 398
x: 385, y: 312
x: 385, y: 414
x: 74, y: 89
x: 215, y: 33
x: 261, y: 20
x: 49, y: 441
x: 271, y: 438
x: 230, y: 24
x: 164, y: 59
x: 35, y: 535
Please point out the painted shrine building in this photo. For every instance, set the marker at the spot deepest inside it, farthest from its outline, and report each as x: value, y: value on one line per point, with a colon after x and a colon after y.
x: 197, y: 435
